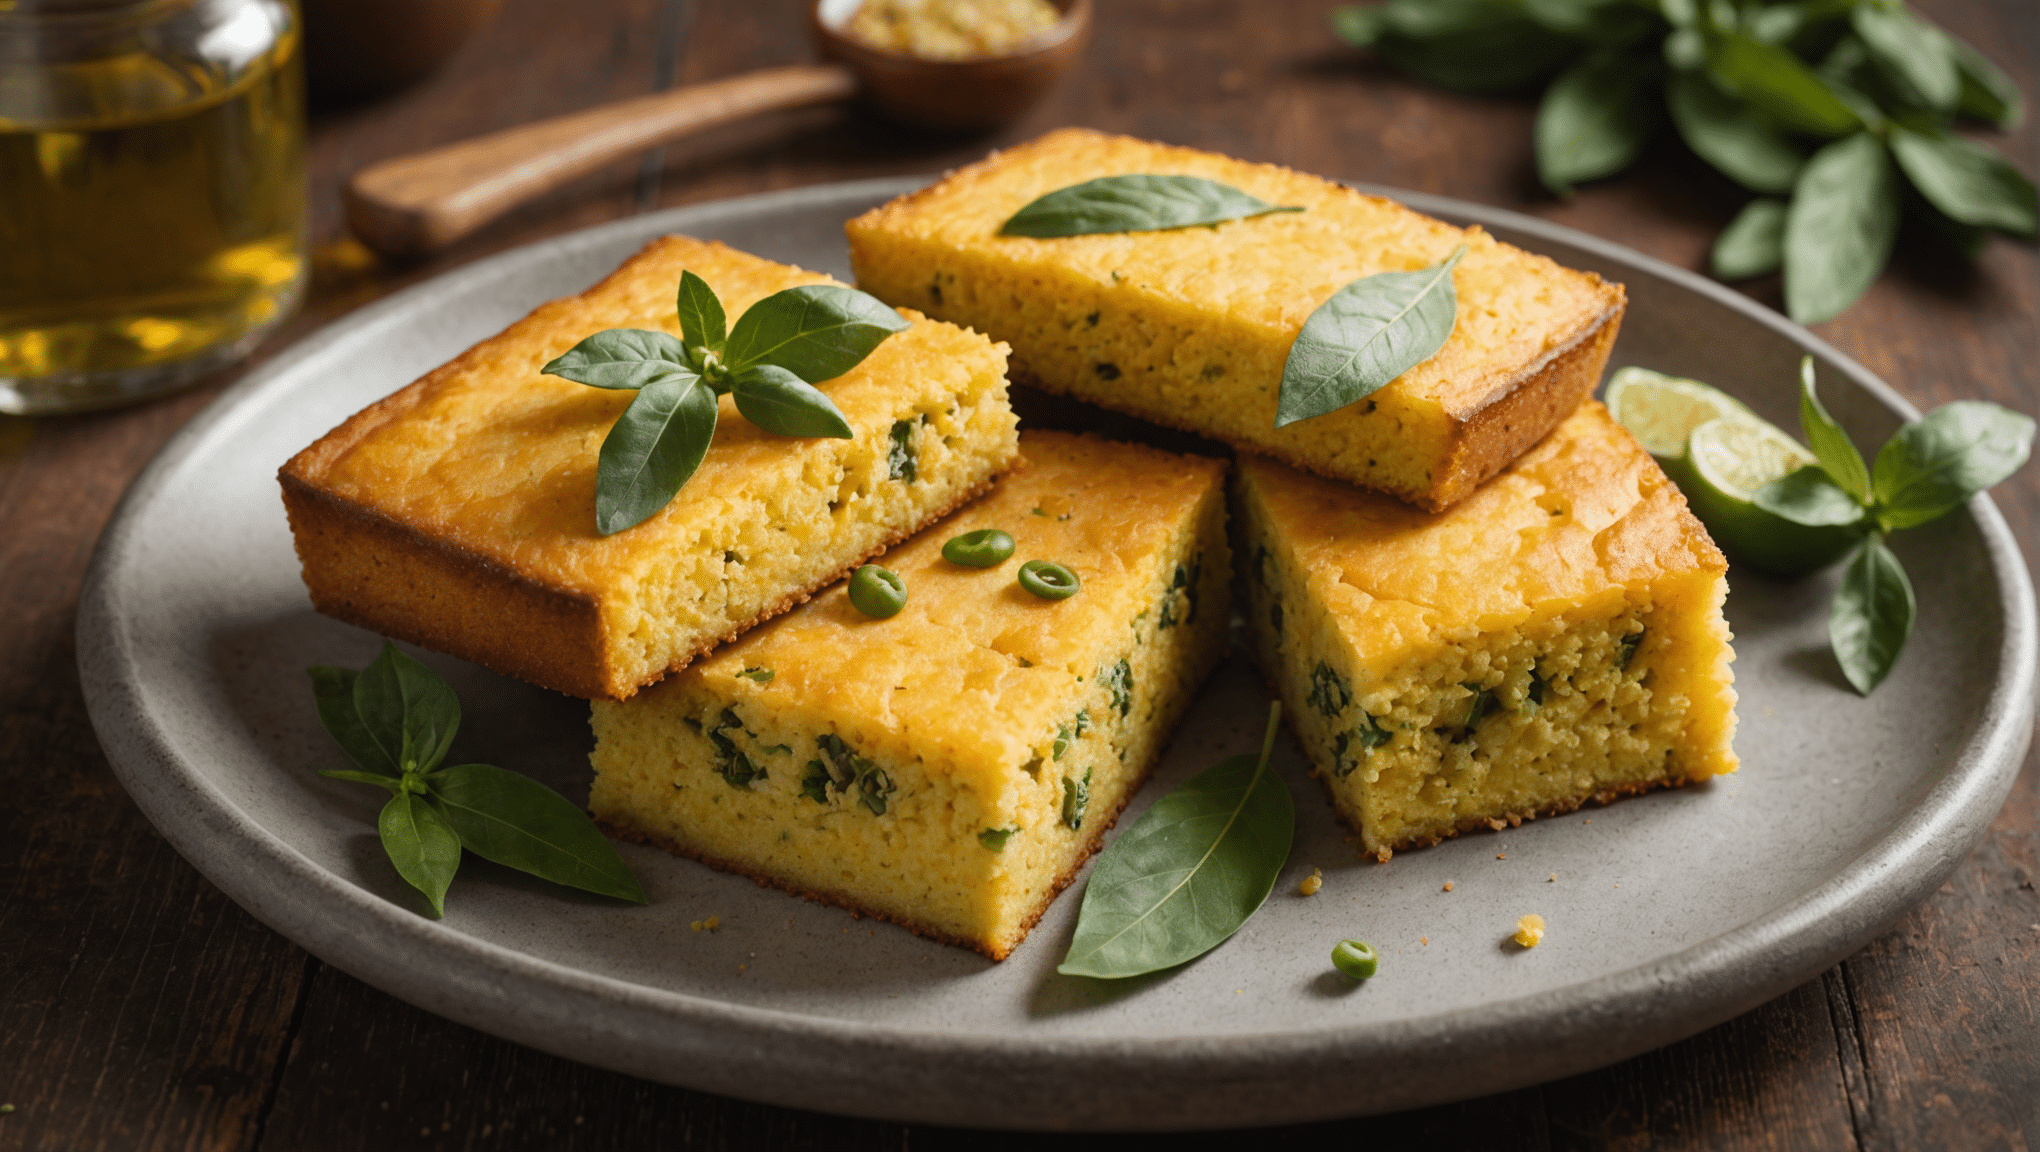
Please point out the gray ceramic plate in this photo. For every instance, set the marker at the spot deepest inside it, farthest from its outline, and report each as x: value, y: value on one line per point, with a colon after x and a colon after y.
x: 1668, y: 913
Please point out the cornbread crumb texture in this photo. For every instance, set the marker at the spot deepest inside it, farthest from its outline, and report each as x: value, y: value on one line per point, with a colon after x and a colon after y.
x: 470, y: 495
x: 1311, y: 883
x: 1556, y: 638
x: 952, y: 766
x: 1529, y: 931
x: 1191, y: 327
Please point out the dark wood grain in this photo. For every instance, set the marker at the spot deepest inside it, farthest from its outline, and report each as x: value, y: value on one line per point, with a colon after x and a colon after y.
x: 141, y: 1009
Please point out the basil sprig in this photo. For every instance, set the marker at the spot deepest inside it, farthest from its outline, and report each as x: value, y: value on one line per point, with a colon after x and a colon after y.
x: 1370, y: 332
x: 396, y: 719
x: 1189, y: 872
x: 1928, y: 468
x: 1139, y: 202
x: 1842, y: 107
x: 770, y: 361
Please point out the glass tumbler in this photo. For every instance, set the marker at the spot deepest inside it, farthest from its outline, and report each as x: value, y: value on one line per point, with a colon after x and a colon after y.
x: 152, y: 193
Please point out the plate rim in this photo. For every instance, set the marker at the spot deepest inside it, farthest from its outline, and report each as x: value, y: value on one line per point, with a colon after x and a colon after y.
x: 558, y: 1008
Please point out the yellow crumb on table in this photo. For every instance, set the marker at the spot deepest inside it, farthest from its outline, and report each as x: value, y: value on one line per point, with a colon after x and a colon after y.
x: 1501, y: 855
x: 1311, y: 883
x: 1424, y: 940
x: 1552, y: 879
x: 1529, y: 930
x: 1448, y: 885
x: 708, y: 925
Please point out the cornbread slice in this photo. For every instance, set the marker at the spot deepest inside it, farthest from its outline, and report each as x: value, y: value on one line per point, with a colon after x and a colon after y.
x: 1191, y: 328
x: 949, y: 768
x: 1554, y: 639
x: 459, y: 513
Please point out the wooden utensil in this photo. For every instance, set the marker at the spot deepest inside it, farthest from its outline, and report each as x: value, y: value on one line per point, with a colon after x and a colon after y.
x: 414, y: 205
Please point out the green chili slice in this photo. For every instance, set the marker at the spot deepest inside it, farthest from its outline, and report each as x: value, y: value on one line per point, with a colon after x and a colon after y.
x: 1356, y: 958
x: 877, y: 592
x: 984, y: 548
x: 1049, y: 580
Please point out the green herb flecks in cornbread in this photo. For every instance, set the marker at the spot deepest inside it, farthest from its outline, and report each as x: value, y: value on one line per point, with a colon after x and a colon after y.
x: 459, y: 513
x: 950, y: 767
x: 1192, y: 327
x: 1554, y: 639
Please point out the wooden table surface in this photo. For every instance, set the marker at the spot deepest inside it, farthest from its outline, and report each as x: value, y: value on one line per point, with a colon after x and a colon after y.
x: 141, y: 1008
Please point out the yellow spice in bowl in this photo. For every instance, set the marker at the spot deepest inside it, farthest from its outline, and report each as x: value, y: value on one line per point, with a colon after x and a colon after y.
x: 950, y: 29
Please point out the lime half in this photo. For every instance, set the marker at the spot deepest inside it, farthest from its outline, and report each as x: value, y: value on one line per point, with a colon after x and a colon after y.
x: 1661, y: 411
x: 1726, y: 460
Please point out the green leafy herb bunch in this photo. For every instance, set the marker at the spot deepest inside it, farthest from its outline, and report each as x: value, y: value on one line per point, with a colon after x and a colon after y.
x: 1838, y: 114
x: 396, y: 719
x: 1926, y: 470
x: 779, y: 349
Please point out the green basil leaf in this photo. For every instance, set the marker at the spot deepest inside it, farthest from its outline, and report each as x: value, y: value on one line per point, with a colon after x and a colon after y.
x: 1370, y: 332
x: 1752, y: 244
x: 1987, y: 93
x: 333, y: 689
x: 1871, y: 616
x: 1720, y: 129
x: 1774, y: 80
x: 1188, y: 873
x: 406, y: 709
x: 702, y: 324
x: 1932, y: 466
x: 391, y: 783
x: 517, y: 822
x: 620, y: 358
x: 1686, y: 49
x: 1968, y: 182
x: 785, y: 405
x: 1831, y: 446
x: 421, y: 844
x: 1840, y: 229
x: 1613, y: 22
x: 1469, y: 45
x: 651, y: 451
x: 1595, y: 119
x: 817, y: 332
x: 1806, y: 496
x: 1137, y: 202
x: 1911, y: 53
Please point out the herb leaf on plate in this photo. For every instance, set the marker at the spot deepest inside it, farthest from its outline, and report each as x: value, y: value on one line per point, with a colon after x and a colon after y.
x: 421, y: 844
x: 1369, y: 332
x: 1872, y: 614
x: 1831, y: 446
x: 1807, y: 497
x: 1189, y: 872
x: 515, y: 821
x: 1137, y: 202
x: 785, y: 405
x: 1932, y: 466
x: 398, y: 702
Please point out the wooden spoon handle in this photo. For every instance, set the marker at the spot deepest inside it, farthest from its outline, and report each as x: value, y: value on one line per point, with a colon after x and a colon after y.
x: 417, y: 204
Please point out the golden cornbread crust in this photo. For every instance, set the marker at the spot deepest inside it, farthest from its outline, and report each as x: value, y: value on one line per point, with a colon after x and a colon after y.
x: 1190, y: 328
x: 457, y: 513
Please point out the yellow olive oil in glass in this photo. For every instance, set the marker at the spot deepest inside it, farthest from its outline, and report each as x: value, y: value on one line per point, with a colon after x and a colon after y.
x: 152, y: 195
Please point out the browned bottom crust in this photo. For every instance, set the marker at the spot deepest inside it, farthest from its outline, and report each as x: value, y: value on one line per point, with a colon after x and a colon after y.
x: 846, y: 901
x: 375, y: 572
x: 1489, y: 439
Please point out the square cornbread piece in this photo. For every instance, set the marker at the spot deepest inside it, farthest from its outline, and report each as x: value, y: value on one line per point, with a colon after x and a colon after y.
x: 459, y: 513
x: 1191, y: 328
x: 1555, y: 638
x: 951, y: 767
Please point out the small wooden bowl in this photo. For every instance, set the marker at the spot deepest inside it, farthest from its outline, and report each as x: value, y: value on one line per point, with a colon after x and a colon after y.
x: 973, y: 94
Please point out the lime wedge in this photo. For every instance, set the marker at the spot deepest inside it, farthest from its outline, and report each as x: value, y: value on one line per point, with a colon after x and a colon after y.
x: 1726, y: 460
x: 1661, y: 411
